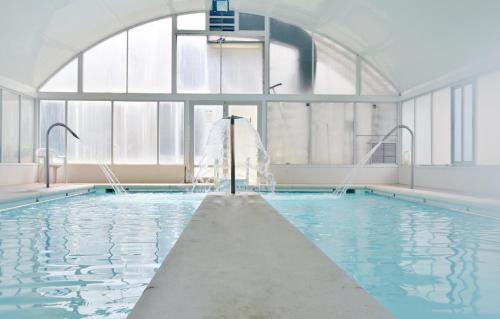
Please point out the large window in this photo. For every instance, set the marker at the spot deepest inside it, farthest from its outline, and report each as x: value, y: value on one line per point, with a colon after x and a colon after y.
x: 423, y: 127
x: 105, y: 66
x: 171, y: 139
x: 288, y: 133
x: 441, y: 127
x: 150, y: 57
x: 53, y: 112
x: 408, y: 119
x: 332, y: 134
x: 205, y: 117
x: 373, y: 122
x: 91, y: 120
x: 463, y: 124
x: 10, y: 127
x: 27, y: 130
x: 135, y: 133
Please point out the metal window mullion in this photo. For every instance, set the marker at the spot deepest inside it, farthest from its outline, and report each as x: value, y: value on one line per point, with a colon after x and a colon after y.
x: 80, y: 73
x: 474, y: 118
x: 127, y: 63
x: 19, y: 128
x: 432, y: 128
x: 187, y: 146
x: 65, y: 142
x: 157, y: 133
x: 452, y: 121
x: 173, y: 75
x: 36, y: 131
x: 309, y: 132
x: 112, y: 132
x: 358, y: 75
x: 462, y: 126
x: 1, y: 124
x: 267, y: 55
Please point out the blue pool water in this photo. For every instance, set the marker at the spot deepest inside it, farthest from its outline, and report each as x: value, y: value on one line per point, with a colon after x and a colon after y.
x: 418, y: 261
x: 89, y: 256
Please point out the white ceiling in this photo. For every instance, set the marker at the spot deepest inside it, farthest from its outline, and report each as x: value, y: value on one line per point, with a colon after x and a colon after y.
x: 410, y: 41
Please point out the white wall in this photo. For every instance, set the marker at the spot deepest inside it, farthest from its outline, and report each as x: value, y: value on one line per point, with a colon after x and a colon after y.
x: 125, y: 174
x: 324, y: 175
x: 13, y: 174
x: 474, y: 180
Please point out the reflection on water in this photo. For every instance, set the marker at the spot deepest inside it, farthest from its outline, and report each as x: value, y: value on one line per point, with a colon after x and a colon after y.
x: 419, y: 261
x: 91, y: 256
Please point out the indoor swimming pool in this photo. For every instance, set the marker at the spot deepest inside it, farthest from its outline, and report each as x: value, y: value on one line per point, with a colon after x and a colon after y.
x: 93, y: 255
x: 88, y: 256
x: 417, y: 260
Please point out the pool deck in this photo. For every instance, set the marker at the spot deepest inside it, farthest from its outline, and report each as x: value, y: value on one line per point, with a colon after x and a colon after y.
x: 20, y: 195
x: 238, y: 258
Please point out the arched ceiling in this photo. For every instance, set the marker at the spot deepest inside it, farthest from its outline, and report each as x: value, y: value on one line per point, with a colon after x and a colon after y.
x: 410, y: 41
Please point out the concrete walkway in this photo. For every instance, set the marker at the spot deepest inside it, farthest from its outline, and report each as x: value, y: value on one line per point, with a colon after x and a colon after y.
x: 238, y: 258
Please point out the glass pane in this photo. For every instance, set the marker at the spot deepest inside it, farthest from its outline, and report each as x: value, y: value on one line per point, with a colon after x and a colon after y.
x: 150, y: 57
x: 193, y: 21
x: 66, y: 80
x: 332, y: 133
x: 247, y: 111
x: 408, y: 119
x: 251, y: 22
x: 423, y: 137
x: 373, y: 122
x: 135, y: 133
x: 53, y: 112
x: 468, y: 124
x: 171, y: 132
x: 198, y: 65
x: 10, y: 127
x: 457, y: 125
x: 335, y: 68
x: 205, y: 117
x: 105, y: 66
x: 291, y: 59
x: 288, y: 132
x: 441, y: 127
x: 373, y: 83
x: 27, y: 129
x: 91, y: 120
x: 242, y: 67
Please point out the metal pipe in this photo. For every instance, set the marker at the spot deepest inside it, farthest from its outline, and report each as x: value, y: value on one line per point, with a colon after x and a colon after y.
x: 233, y: 168
x: 47, y: 148
x: 412, y: 182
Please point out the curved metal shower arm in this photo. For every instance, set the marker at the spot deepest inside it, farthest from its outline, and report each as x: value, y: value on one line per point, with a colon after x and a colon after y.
x: 47, y: 149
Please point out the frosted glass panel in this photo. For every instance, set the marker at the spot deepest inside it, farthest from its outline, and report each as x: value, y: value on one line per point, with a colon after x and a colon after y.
x: 284, y: 68
x: 135, y: 133
x: 66, y: 80
x: 468, y: 124
x: 441, y: 127
x: 335, y: 68
x: 373, y: 83
x: 198, y: 65
x: 150, y: 57
x: 53, y: 112
x: 27, y: 129
x: 423, y: 139
x: 171, y: 132
x: 10, y: 127
x: 373, y: 122
x: 288, y: 132
x: 408, y: 119
x: 457, y: 125
x: 193, y: 21
x: 91, y: 120
x: 291, y: 58
x: 247, y: 111
x: 242, y: 67
x: 105, y: 66
x: 204, y: 118
x: 332, y: 133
